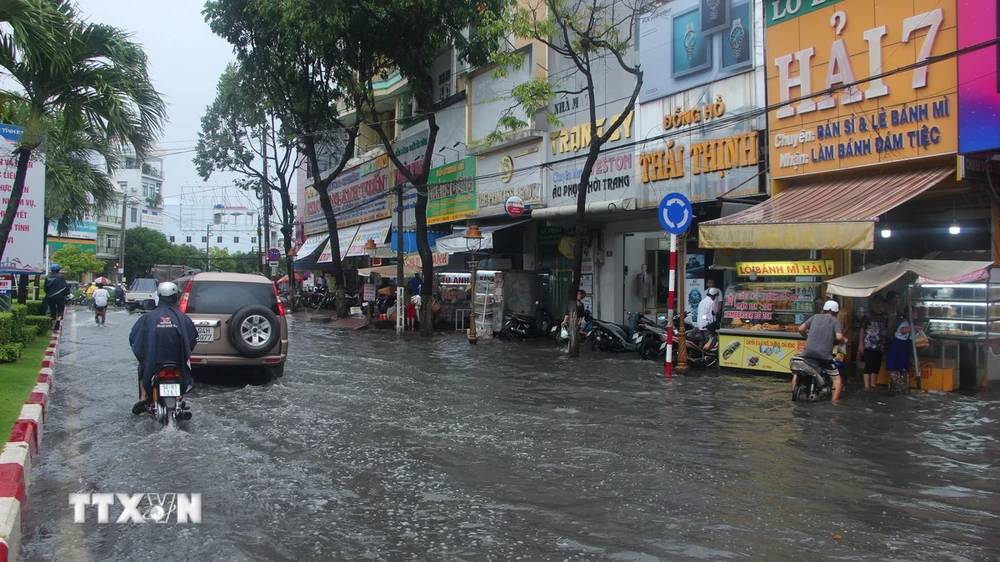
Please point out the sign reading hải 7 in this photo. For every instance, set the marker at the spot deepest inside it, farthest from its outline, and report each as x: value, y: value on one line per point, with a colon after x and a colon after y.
x: 893, y: 115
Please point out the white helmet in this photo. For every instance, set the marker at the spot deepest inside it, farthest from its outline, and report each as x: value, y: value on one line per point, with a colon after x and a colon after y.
x: 712, y: 292
x: 167, y: 289
x: 831, y: 306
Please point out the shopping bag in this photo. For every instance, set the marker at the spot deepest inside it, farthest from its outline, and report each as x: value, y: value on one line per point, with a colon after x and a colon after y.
x: 564, y: 333
x: 920, y: 338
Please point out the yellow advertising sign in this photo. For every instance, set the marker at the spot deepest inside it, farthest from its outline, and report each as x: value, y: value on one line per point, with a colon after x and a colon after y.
x: 789, y: 236
x: 898, y: 116
x: 821, y: 268
x: 759, y: 353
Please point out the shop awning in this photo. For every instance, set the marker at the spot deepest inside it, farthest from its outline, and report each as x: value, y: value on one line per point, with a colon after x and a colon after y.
x: 596, y: 207
x: 346, y: 237
x: 388, y: 270
x: 376, y: 230
x: 868, y: 282
x: 310, y: 247
x: 455, y: 243
x: 822, y: 215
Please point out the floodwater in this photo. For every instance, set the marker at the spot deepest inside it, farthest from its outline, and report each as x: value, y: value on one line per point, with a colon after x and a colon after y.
x: 432, y: 449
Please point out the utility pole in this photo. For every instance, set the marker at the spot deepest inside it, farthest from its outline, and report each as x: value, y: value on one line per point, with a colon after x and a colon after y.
x: 208, y: 239
x: 260, y: 242
x: 121, y: 241
x: 265, y: 190
x: 400, y: 256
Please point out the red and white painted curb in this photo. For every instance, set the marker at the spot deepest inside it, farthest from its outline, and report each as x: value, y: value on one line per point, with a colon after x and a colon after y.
x: 16, y: 455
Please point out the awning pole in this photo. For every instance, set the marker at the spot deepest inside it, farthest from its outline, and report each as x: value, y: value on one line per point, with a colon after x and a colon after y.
x: 913, y: 341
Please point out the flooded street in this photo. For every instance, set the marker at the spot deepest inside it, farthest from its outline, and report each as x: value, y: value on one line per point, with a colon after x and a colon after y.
x: 432, y: 449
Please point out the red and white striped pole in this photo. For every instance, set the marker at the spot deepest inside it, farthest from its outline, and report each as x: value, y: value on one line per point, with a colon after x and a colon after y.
x: 671, y: 283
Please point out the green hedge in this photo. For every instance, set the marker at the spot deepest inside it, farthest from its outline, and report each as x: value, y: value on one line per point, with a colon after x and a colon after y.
x: 20, y: 312
x: 6, y: 327
x: 34, y: 307
x: 26, y: 334
x: 10, y: 352
x: 43, y: 323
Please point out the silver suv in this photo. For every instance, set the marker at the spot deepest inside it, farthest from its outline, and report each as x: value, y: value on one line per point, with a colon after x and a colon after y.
x: 240, y: 321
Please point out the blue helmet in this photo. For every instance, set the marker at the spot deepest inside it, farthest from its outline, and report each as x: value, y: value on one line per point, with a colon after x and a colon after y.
x: 54, y: 268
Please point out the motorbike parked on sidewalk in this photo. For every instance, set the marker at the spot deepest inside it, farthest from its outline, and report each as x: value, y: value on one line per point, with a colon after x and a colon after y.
x: 615, y: 338
x: 166, y: 388
x: 702, y: 345
x: 814, y: 382
x: 521, y: 326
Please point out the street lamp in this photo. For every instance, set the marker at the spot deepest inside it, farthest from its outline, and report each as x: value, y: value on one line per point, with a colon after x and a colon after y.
x: 473, y: 241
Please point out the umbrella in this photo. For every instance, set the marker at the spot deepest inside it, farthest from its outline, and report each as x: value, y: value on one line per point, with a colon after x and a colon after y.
x: 298, y: 279
x: 102, y: 280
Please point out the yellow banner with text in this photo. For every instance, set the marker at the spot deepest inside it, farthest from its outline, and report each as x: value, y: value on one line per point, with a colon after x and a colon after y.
x: 759, y: 353
x: 823, y: 268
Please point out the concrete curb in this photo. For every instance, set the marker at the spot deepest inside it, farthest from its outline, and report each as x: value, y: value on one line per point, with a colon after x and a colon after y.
x: 17, y: 453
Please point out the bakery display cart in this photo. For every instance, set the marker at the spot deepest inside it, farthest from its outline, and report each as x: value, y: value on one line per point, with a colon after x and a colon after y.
x: 759, y: 326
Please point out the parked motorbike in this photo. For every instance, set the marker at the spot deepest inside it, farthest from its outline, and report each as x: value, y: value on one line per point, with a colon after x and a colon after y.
x: 166, y: 387
x: 520, y: 326
x: 614, y: 338
x: 702, y: 345
x: 814, y: 382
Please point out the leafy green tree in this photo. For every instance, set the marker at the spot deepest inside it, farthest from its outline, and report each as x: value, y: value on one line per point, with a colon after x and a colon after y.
x: 591, y: 34
x: 71, y: 257
x: 240, y: 134
x: 98, y: 80
x: 359, y: 29
x: 300, y: 81
x: 144, y: 248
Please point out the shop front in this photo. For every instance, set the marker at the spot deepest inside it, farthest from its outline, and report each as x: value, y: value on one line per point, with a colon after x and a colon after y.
x: 854, y: 184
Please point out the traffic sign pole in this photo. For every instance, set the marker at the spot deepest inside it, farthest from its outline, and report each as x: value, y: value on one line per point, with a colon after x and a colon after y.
x: 675, y: 214
x: 671, y: 300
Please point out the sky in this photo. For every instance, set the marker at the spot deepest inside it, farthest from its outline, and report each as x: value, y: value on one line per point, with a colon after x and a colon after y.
x: 186, y: 60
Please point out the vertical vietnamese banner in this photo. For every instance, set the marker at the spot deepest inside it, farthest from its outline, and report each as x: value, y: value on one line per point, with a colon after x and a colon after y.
x: 24, y: 251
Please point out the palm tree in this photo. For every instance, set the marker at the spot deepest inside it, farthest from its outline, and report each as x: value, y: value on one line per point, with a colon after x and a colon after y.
x: 99, y: 82
x: 74, y: 184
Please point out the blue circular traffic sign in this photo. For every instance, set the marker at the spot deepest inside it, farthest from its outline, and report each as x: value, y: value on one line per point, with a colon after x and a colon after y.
x: 675, y: 213
x: 273, y: 254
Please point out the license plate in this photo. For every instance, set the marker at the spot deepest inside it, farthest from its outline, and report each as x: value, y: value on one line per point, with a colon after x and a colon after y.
x: 170, y: 390
x: 206, y: 334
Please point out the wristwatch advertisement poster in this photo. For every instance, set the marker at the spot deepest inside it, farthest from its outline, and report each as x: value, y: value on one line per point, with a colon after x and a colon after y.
x: 714, y: 16
x: 692, y: 49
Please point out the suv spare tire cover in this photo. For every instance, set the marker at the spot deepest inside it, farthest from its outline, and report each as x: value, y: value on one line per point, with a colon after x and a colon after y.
x: 261, y: 330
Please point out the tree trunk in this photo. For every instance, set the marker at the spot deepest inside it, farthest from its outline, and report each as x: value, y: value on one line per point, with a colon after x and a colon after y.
x: 14, y: 202
x: 581, y: 211
x: 321, y: 186
x: 287, y: 231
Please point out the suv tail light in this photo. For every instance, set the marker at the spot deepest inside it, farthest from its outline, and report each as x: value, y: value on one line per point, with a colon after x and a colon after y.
x: 184, y: 299
x: 281, y: 305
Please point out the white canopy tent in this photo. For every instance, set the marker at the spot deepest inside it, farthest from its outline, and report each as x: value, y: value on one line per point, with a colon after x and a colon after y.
x: 868, y: 282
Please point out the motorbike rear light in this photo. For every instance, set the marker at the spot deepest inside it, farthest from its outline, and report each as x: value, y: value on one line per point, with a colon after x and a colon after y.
x: 184, y: 299
x: 169, y: 374
x: 277, y: 297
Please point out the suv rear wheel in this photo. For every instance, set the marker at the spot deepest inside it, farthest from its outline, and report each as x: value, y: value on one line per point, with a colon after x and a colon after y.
x: 253, y: 330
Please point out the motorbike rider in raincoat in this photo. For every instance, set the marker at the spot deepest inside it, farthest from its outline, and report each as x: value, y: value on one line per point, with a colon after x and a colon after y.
x: 163, y: 335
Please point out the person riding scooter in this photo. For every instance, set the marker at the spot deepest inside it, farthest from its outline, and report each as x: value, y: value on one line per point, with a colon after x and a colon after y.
x: 824, y: 332
x: 164, y: 335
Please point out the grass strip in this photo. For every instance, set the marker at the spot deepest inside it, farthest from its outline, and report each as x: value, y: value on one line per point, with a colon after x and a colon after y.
x: 17, y: 380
